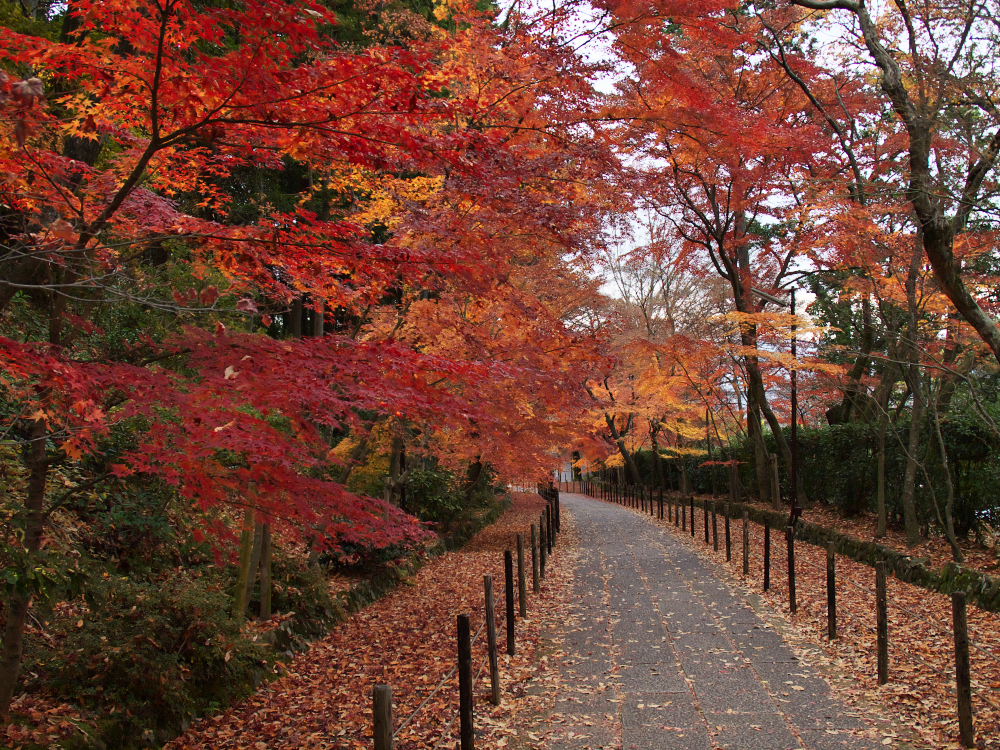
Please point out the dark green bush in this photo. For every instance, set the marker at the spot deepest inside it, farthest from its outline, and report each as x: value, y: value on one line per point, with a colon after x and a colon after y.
x: 431, y: 495
x: 838, y: 466
x: 151, y: 655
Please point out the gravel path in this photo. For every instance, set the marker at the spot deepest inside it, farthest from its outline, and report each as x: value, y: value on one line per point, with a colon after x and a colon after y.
x: 659, y: 653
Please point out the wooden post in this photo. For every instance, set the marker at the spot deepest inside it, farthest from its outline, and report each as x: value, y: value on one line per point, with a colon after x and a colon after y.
x: 467, y: 731
x: 541, y: 546
x: 715, y: 528
x: 767, y: 557
x: 491, y: 641
x: 746, y: 543
x: 382, y: 715
x: 522, y: 579
x: 963, y: 675
x: 882, y: 618
x: 684, y: 514
x: 705, y: 513
x: 793, y: 604
x: 692, y: 516
x: 534, y: 559
x: 831, y: 592
x: 508, y: 580
x: 549, y: 530
x: 729, y: 540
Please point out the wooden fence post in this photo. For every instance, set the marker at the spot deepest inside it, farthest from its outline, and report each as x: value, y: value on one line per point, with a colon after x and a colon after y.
x: 549, y: 530
x: 467, y: 731
x: 882, y: 617
x: 729, y: 542
x: 767, y: 556
x: 705, y: 513
x: 491, y: 640
x: 382, y: 715
x: 684, y: 514
x: 793, y: 604
x: 508, y: 580
x: 522, y: 582
x: 746, y: 543
x: 541, y: 546
x: 715, y: 528
x: 831, y: 592
x: 692, y: 517
x: 963, y: 675
x: 534, y: 559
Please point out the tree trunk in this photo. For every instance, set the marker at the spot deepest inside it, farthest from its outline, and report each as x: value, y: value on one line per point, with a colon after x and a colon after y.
x: 947, y: 519
x: 880, y: 499
x: 472, y: 477
x: 910, y: 522
x: 760, y: 463
x: 630, y: 465
x: 18, y: 605
x: 885, y: 389
x: 913, y: 380
x: 265, y: 572
x: 658, y: 473
x: 245, y: 577
x: 395, y: 482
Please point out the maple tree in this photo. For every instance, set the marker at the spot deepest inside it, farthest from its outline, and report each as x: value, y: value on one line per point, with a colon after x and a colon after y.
x: 935, y: 72
x: 422, y: 198
x: 779, y: 164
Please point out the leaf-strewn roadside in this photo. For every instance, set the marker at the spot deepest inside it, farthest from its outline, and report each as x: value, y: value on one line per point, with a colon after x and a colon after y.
x: 921, y: 690
x: 406, y: 640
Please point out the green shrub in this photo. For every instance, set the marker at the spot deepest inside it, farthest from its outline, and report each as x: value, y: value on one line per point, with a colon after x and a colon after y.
x: 431, y: 495
x: 150, y: 656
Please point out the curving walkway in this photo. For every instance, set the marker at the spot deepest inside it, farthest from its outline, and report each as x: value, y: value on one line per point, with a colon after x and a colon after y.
x: 662, y: 654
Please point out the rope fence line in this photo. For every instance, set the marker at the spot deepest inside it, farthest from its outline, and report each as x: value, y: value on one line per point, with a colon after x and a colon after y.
x: 541, y: 547
x: 982, y: 694
x: 681, y: 510
x: 980, y: 652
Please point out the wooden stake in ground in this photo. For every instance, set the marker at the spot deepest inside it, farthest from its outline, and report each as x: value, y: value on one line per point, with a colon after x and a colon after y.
x: 882, y: 620
x: 963, y: 675
x: 746, y: 543
x: 790, y: 541
x: 541, y: 546
x: 467, y: 731
x: 522, y: 584
x: 534, y: 559
x: 382, y: 716
x: 729, y: 540
x: 508, y: 579
x: 767, y: 557
x: 491, y: 640
x: 831, y: 592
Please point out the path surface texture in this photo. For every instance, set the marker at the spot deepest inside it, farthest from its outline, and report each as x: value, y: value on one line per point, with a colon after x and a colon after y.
x: 662, y: 654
